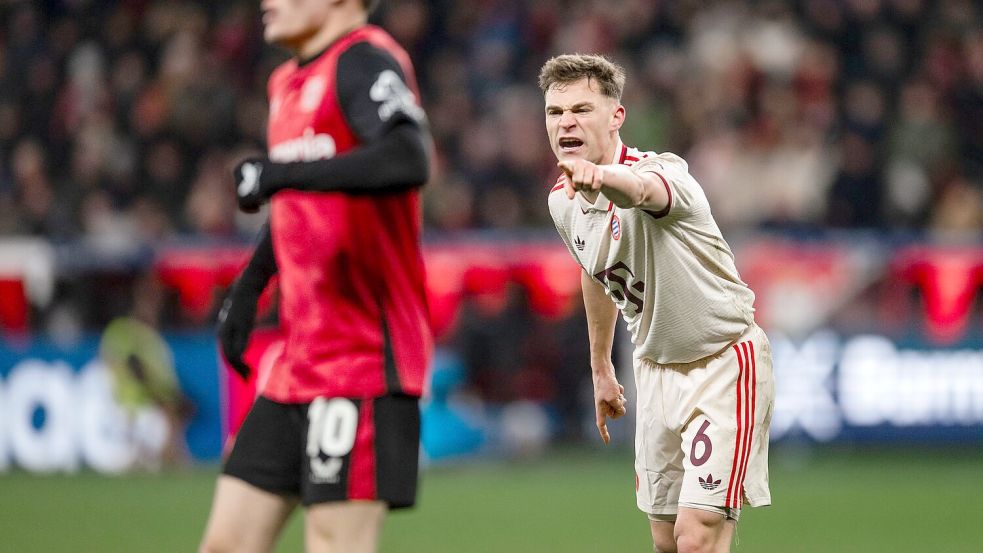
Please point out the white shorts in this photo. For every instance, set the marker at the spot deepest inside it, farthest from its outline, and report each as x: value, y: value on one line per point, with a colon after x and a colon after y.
x: 701, y: 438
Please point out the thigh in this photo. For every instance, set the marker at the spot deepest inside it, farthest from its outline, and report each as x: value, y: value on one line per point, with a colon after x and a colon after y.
x: 663, y: 539
x: 729, y: 408
x: 344, y: 527
x: 658, y: 457
x: 245, y: 518
x: 362, y: 449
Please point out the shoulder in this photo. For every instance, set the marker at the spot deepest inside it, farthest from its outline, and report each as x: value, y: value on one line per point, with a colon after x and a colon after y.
x: 557, y: 197
x: 380, y: 38
x: 366, y: 55
x: 371, y: 47
x: 363, y: 66
x: 558, y: 185
x: 375, y: 90
x: 559, y: 203
x: 652, y: 161
x: 368, y: 63
x: 669, y: 167
x: 639, y: 159
x: 632, y: 156
x: 686, y: 197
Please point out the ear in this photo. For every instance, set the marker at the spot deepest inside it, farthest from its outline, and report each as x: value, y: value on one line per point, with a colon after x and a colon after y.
x: 618, y: 117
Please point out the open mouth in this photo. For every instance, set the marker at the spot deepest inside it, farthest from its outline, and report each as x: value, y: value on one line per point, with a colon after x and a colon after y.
x: 570, y: 144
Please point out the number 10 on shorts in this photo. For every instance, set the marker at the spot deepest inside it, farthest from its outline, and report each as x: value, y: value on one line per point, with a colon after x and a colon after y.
x: 330, y: 436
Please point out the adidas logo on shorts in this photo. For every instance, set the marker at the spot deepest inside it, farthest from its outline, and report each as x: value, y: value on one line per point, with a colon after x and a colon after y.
x: 709, y: 483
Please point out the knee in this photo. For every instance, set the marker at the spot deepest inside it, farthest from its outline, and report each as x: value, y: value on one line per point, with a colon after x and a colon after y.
x: 693, y: 536
x: 694, y: 542
x: 662, y: 538
x: 662, y: 545
x: 701, y: 532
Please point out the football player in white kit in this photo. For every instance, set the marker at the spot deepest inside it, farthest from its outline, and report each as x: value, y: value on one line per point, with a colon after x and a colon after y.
x: 640, y: 227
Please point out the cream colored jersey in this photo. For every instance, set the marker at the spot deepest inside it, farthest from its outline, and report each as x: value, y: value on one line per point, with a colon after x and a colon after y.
x: 671, y: 274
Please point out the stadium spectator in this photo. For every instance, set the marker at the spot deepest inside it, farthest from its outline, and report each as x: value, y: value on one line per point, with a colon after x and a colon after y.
x: 133, y: 94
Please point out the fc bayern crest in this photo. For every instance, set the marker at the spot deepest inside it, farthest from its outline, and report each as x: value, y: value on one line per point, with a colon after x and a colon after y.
x: 615, y: 227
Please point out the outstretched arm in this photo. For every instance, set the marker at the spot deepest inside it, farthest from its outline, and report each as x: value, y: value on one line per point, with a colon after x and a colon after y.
x: 602, y: 315
x: 618, y: 183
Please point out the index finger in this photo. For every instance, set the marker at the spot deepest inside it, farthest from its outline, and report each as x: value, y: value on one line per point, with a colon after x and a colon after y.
x: 602, y: 427
x: 568, y: 188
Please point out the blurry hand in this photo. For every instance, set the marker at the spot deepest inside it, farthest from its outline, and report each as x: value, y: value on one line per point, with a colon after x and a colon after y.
x: 609, y: 400
x: 581, y: 175
x: 250, y: 190
x: 235, y: 324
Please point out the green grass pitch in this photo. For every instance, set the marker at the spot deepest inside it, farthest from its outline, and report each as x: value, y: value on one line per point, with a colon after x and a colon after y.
x: 570, y: 501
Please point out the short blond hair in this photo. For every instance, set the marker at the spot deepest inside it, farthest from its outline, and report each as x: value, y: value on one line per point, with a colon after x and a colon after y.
x: 569, y: 68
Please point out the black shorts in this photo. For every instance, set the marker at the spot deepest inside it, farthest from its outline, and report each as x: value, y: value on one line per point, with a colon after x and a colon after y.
x: 332, y: 449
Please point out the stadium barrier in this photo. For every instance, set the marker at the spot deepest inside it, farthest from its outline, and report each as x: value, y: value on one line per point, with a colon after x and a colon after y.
x: 59, y: 413
x: 874, y: 340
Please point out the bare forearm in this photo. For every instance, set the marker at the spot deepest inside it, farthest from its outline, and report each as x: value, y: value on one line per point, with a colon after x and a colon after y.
x: 627, y: 189
x: 602, y: 315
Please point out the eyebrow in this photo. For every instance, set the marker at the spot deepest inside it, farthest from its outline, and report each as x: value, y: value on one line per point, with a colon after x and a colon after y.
x: 573, y: 107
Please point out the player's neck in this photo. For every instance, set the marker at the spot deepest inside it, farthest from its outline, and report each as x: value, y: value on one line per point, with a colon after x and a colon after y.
x: 338, y: 26
x: 611, y: 152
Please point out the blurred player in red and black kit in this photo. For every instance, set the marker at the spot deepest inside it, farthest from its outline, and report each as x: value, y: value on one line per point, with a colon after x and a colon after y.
x: 336, y: 426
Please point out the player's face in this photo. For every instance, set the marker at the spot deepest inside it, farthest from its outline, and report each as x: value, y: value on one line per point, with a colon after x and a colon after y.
x: 290, y: 22
x: 582, y: 123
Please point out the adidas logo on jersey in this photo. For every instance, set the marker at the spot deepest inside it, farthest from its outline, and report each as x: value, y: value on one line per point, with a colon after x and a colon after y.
x: 580, y: 243
x: 709, y: 483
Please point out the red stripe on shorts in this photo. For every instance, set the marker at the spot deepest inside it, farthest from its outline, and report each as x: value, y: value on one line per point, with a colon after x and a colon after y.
x: 749, y: 351
x: 361, y: 473
x: 737, y: 445
x: 748, y: 419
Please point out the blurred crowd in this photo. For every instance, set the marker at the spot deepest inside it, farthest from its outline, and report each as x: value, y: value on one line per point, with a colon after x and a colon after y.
x: 119, y: 120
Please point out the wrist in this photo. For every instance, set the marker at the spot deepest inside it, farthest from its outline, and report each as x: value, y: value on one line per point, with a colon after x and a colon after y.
x: 273, y: 178
x: 602, y: 368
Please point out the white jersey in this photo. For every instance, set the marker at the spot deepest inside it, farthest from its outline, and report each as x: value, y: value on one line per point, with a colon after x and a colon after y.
x: 671, y: 274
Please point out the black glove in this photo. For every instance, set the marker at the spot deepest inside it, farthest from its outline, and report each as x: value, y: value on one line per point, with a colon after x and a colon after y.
x: 235, y: 324
x: 238, y: 314
x: 255, y: 180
